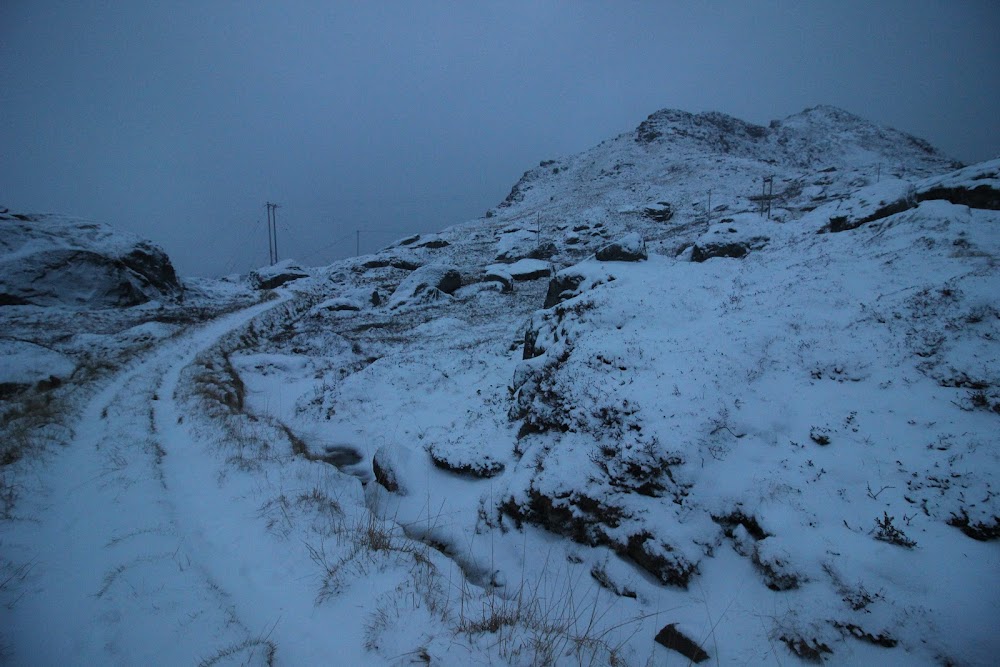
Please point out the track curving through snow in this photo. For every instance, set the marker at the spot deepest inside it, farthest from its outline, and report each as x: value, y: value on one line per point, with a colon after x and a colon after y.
x: 118, y: 569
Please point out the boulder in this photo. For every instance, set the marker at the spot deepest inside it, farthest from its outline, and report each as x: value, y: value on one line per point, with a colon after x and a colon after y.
x: 500, y: 275
x: 629, y: 248
x: 735, y: 250
x: 575, y: 280
x: 661, y: 211
x: 675, y: 640
x: 432, y: 243
x: 428, y: 283
x: 528, y: 269
x: 276, y: 275
x: 49, y: 260
x: 733, y: 238
x: 975, y: 186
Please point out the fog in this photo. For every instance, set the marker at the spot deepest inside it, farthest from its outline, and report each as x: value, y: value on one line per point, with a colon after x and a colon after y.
x: 177, y: 121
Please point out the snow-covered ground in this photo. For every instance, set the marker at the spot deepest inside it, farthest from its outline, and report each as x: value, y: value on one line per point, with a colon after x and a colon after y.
x: 784, y: 451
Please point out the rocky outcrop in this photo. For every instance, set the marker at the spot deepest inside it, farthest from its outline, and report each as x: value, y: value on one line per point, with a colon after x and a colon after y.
x: 58, y: 261
x: 282, y: 273
x: 629, y: 248
x: 426, y: 284
x: 661, y: 211
x: 573, y: 281
x: 976, y: 186
x: 734, y: 239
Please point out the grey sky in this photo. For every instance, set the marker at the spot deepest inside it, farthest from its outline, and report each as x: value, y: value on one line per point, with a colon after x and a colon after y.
x: 177, y: 120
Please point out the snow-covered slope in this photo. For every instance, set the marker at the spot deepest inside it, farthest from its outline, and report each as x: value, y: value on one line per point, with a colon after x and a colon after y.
x: 739, y: 435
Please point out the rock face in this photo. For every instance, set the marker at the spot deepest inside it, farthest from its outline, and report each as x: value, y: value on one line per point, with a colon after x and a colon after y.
x: 57, y: 261
x: 270, y: 277
x: 976, y: 186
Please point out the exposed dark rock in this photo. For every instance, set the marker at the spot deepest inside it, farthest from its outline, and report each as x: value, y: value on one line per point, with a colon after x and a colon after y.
x: 384, y: 472
x: 586, y: 520
x: 450, y: 281
x: 376, y: 299
x: 394, y: 262
x: 433, y: 244
x: 341, y: 305
x: 660, y: 212
x: 734, y: 249
x: 562, y: 286
x: 482, y: 467
x: 152, y: 264
x: 981, y: 196
x: 602, y: 578
x: 982, y: 531
x: 524, y: 274
x: 12, y: 300
x: 51, y: 260
x: 545, y: 250
x: 843, y: 223
x: 675, y: 640
x: 811, y: 650
x: 881, y: 639
x: 505, y: 279
x: 404, y: 265
x: 738, y: 518
x: 569, y: 283
x: 778, y: 573
x: 629, y: 248
x: 410, y: 240
x: 516, y: 194
x: 427, y: 284
x: 78, y: 278
x: 275, y: 280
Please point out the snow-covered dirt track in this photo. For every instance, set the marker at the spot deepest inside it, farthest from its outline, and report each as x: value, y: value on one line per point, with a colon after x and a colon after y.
x: 119, y: 573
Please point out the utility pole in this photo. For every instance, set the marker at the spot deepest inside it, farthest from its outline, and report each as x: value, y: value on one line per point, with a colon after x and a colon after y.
x: 538, y: 230
x: 270, y: 236
x: 770, y: 194
x: 272, y: 231
x: 766, y: 196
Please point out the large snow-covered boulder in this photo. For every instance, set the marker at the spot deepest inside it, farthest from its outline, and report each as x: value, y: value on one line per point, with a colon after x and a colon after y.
x: 733, y: 238
x: 50, y: 260
x: 629, y: 248
x: 427, y: 284
x: 975, y: 186
x: 276, y: 275
x: 522, y: 270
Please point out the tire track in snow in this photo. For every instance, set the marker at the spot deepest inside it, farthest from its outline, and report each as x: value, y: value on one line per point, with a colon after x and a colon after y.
x: 113, y: 578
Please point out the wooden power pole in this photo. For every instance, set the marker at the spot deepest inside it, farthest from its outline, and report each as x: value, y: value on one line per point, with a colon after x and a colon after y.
x: 272, y: 231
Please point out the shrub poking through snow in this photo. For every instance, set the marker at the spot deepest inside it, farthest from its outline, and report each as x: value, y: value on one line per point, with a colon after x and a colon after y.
x: 886, y: 531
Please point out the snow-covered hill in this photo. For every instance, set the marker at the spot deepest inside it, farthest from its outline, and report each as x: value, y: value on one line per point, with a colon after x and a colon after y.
x: 652, y: 408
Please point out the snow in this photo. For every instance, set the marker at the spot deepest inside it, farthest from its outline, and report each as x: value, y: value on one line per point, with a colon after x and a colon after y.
x: 768, y: 452
x: 27, y: 363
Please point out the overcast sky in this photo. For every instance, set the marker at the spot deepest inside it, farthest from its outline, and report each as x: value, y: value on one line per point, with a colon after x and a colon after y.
x: 178, y: 120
